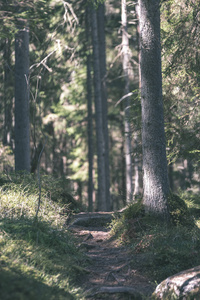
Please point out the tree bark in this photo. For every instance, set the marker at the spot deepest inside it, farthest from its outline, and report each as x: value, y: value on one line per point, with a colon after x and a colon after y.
x: 155, y: 180
x: 89, y: 116
x: 102, y: 203
x: 22, y: 144
x: 126, y: 106
x: 103, y: 74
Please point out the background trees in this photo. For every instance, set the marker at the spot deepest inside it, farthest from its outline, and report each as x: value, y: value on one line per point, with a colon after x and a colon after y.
x: 59, y: 53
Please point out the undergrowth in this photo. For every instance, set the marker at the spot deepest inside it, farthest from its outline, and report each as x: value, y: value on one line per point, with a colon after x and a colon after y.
x: 161, y: 250
x: 39, y: 260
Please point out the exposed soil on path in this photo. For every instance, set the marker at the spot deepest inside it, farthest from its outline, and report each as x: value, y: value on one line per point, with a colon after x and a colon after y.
x: 110, y: 273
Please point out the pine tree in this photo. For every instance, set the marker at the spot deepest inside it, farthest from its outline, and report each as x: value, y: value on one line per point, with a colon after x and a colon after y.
x: 155, y: 181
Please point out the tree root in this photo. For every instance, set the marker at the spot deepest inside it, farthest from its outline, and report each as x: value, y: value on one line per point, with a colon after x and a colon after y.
x: 114, y: 290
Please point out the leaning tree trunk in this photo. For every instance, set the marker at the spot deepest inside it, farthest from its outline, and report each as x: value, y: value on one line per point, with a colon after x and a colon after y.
x: 127, y: 127
x: 102, y: 60
x: 102, y: 203
x: 22, y: 144
x: 155, y: 180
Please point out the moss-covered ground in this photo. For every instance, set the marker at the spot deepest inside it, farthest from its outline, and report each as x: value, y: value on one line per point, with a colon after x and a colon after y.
x: 161, y: 250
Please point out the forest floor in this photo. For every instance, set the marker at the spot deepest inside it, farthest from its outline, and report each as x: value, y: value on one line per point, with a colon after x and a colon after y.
x: 110, y: 273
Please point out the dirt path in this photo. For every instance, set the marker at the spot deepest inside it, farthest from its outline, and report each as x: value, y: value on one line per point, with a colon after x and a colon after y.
x: 110, y: 273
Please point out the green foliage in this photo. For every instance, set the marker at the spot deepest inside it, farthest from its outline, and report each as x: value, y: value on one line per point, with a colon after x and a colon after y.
x: 6, y: 157
x: 179, y: 22
x: 40, y: 259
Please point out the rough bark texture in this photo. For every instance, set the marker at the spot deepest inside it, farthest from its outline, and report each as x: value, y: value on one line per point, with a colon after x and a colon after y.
x: 127, y: 128
x: 156, y: 187
x: 102, y: 204
x: 22, y: 147
x: 102, y: 59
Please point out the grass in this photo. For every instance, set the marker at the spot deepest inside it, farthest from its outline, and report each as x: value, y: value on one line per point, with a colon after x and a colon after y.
x: 38, y: 259
x: 161, y: 251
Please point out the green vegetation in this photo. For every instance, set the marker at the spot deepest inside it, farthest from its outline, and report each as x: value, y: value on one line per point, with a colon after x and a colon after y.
x: 160, y: 251
x: 39, y: 258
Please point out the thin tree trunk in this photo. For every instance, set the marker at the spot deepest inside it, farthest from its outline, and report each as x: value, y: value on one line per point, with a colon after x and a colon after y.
x: 136, y: 167
x: 127, y: 127
x: 103, y: 74
x: 137, y: 163
x: 89, y: 116
x: 156, y: 186
x: 22, y: 144
x: 7, y: 95
x: 102, y: 203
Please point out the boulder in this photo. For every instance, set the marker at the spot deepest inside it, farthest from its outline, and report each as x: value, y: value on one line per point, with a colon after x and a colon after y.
x: 183, y: 285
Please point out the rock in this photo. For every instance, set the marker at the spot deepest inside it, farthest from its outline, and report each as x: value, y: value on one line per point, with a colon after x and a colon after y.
x: 183, y: 285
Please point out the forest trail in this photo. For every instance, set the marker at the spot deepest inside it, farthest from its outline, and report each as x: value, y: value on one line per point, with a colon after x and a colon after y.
x: 110, y: 273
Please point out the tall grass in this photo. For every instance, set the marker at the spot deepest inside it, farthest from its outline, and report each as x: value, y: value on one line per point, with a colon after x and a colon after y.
x: 39, y: 260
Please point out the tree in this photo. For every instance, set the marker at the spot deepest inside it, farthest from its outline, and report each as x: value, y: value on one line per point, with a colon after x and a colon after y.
x: 155, y: 180
x: 103, y: 74
x: 8, y: 103
x: 89, y: 111
x: 102, y: 203
x: 22, y: 139
x: 127, y: 127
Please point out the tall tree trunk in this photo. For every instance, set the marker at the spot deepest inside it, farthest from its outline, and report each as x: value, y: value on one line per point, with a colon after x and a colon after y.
x: 103, y: 74
x: 127, y: 127
x: 22, y: 144
x: 89, y: 115
x: 90, y: 135
x: 102, y: 203
x: 156, y: 186
x: 137, y: 160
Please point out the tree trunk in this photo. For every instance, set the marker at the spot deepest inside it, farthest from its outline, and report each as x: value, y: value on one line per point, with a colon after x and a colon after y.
x: 22, y: 144
x: 102, y: 203
x: 155, y: 180
x: 89, y: 116
x: 103, y: 74
x: 136, y: 167
x: 127, y: 127
x: 7, y: 93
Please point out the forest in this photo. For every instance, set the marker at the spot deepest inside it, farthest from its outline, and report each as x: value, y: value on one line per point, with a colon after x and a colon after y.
x: 99, y: 112
x: 61, y: 86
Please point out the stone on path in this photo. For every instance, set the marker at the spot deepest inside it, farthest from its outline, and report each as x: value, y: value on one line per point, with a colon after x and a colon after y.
x: 183, y: 285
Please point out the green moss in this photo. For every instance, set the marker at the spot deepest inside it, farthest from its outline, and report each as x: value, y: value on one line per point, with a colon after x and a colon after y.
x: 179, y: 212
